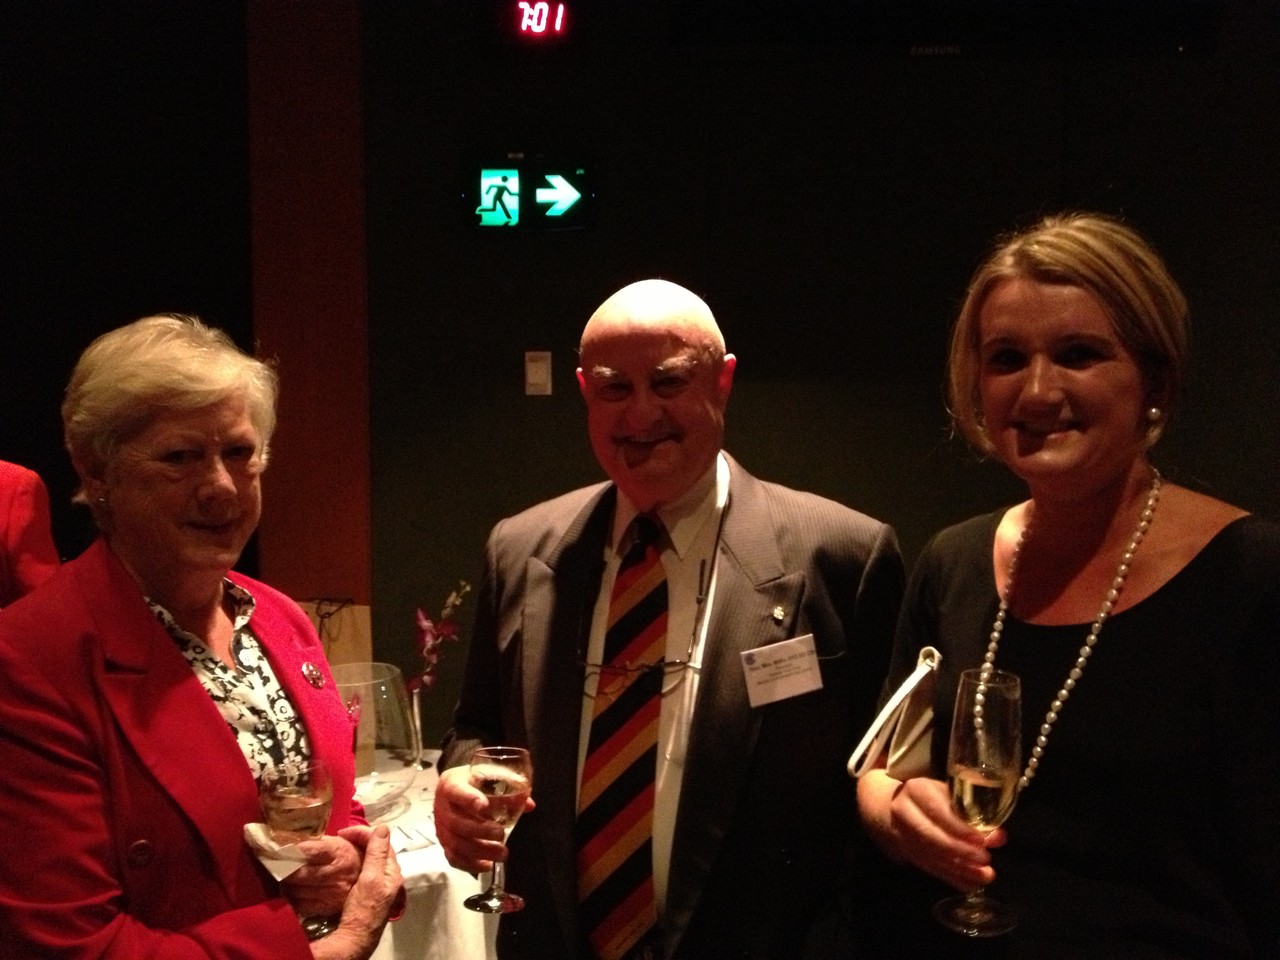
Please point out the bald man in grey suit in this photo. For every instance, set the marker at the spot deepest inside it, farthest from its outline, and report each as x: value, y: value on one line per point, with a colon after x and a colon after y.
x: 755, y: 831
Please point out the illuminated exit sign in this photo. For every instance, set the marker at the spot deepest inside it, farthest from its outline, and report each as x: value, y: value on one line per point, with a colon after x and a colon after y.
x: 532, y: 195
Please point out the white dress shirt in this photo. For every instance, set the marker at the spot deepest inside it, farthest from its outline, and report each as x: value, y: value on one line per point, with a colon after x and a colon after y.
x: 688, y: 558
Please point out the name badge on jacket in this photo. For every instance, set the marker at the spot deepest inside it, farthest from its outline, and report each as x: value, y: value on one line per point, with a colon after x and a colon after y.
x: 781, y: 670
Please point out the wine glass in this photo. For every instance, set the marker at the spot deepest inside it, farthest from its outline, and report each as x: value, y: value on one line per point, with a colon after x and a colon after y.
x: 385, y: 738
x: 296, y: 799
x: 505, y: 776
x: 983, y: 764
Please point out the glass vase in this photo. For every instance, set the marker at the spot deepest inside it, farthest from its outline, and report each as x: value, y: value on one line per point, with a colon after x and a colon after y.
x: 415, y: 703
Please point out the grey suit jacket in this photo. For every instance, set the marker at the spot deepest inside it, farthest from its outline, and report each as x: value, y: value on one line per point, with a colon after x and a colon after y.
x: 767, y: 833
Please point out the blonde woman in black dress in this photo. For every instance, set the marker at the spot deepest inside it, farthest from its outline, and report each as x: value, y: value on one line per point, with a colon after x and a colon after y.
x: 1141, y: 616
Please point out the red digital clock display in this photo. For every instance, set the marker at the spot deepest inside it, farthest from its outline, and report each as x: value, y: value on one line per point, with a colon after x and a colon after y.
x: 541, y: 19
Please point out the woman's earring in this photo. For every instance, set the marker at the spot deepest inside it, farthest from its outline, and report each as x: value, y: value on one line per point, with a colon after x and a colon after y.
x: 1154, y: 414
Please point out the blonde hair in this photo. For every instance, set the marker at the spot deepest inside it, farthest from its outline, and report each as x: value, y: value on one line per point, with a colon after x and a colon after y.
x: 128, y: 376
x: 1104, y: 257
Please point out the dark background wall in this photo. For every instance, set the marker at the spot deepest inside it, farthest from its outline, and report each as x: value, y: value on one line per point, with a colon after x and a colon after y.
x: 827, y: 196
x: 124, y: 191
x: 829, y: 201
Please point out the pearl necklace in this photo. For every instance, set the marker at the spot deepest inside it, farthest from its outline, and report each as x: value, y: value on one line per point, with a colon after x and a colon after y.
x: 1086, y: 651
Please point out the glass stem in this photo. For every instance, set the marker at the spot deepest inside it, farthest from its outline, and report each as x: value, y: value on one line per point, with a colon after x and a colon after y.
x: 975, y: 909
x: 498, y: 882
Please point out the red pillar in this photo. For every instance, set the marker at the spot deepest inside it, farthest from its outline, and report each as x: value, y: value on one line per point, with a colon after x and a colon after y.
x: 306, y: 153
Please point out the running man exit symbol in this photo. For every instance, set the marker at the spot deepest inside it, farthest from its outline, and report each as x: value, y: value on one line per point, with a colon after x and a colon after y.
x: 530, y: 195
x: 499, y: 198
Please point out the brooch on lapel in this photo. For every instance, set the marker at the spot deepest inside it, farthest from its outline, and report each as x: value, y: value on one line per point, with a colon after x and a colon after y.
x: 313, y: 675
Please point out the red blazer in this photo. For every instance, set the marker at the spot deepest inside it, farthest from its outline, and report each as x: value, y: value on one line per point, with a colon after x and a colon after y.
x: 27, y: 554
x: 123, y: 793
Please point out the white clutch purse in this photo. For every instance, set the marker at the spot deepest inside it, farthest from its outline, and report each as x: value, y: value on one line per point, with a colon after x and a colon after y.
x: 904, y: 728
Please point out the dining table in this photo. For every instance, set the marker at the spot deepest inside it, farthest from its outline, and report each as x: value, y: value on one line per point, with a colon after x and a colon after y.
x: 435, y: 925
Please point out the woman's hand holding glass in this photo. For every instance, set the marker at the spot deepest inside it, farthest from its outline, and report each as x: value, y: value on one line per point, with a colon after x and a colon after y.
x: 929, y: 834
x: 372, y: 900
x: 320, y: 887
x: 984, y: 762
x: 296, y: 801
x: 918, y: 822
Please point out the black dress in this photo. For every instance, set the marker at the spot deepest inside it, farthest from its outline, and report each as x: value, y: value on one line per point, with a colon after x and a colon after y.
x: 1153, y: 826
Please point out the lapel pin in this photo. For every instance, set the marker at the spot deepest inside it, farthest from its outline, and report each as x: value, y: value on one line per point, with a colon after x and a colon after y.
x: 313, y: 675
x: 778, y: 614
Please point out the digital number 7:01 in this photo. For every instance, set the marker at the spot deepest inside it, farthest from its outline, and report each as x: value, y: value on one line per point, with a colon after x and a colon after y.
x: 536, y: 17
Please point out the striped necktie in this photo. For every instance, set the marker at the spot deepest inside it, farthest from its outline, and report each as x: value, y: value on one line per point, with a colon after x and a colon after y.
x: 615, y: 806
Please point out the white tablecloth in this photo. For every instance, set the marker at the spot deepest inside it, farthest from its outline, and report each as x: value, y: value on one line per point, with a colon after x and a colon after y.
x: 435, y: 925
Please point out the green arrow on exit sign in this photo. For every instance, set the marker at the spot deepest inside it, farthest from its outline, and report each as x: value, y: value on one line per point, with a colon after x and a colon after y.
x: 559, y: 193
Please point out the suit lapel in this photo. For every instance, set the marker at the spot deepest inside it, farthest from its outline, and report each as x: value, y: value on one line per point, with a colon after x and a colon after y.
x: 320, y: 709
x: 166, y: 715
x: 561, y: 587
x: 752, y: 583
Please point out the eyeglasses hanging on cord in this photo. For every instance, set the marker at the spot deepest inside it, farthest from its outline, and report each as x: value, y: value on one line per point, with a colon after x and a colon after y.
x: 658, y: 672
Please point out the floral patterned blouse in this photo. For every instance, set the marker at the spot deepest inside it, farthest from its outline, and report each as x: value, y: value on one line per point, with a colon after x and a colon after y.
x: 249, y: 697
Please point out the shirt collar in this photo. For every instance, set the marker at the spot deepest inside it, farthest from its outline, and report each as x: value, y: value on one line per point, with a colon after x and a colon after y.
x: 242, y: 606
x: 684, y: 517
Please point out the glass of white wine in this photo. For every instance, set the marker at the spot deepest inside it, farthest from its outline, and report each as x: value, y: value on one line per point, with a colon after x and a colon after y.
x: 984, y: 763
x: 505, y: 776
x: 296, y: 800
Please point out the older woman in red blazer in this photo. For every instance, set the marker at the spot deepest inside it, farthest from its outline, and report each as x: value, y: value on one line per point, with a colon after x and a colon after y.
x: 145, y: 687
x: 27, y: 554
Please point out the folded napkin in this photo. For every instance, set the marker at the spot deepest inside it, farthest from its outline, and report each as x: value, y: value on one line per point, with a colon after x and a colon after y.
x: 405, y: 837
x: 280, y: 859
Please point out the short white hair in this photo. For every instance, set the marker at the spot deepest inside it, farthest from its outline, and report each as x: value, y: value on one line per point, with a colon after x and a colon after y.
x: 128, y: 376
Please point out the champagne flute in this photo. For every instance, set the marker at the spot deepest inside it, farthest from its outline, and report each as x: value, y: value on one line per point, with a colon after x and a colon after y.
x: 505, y: 776
x: 983, y: 764
x: 296, y: 800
